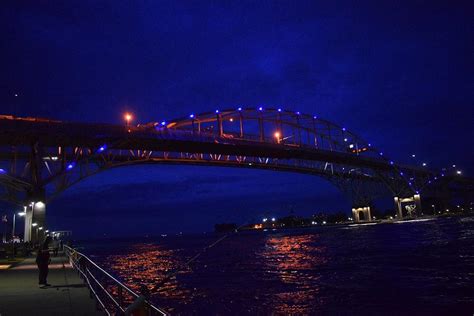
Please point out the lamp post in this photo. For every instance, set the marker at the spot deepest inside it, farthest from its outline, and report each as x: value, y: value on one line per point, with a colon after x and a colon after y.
x: 128, y: 117
x: 277, y: 136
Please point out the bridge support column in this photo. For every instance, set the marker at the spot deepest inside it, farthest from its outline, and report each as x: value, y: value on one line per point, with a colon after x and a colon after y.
x: 35, y: 221
x: 415, y: 199
x: 365, y: 213
x: 28, y: 222
x: 398, y: 207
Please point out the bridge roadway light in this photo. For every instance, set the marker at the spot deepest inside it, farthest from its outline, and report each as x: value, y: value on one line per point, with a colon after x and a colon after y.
x: 458, y: 172
x: 277, y: 136
x: 21, y: 213
x: 128, y: 117
x: 34, y: 224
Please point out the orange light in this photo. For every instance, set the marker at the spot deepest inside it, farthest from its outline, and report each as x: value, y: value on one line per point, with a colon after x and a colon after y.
x: 277, y: 134
x: 128, y: 117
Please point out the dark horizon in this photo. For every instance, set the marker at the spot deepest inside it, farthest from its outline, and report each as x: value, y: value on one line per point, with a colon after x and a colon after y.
x: 399, y: 75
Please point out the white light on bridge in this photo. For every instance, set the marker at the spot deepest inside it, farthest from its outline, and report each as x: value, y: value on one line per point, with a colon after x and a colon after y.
x: 260, y: 109
x: 424, y: 164
x: 2, y: 171
x: 273, y: 219
x: 413, y: 156
x: 459, y: 172
x: 279, y: 110
x: 239, y: 109
x: 264, y: 220
x: 21, y: 213
x: 191, y: 116
x: 34, y: 224
x: 40, y: 204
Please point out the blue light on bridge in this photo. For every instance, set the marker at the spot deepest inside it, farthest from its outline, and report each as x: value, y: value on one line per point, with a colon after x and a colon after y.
x: 279, y: 110
x: 260, y: 108
x: 401, y: 173
x: 298, y: 113
x: 370, y: 145
x: 191, y: 116
x: 343, y: 129
x: 163, y: 123
x: 70, y: 166
x: 391, y: 162
x: 381, y: 153
x: 102, y: 148
x: 315, y: 117
x: 217, y: 111
x: 239, y: 109
x: 2, y: 171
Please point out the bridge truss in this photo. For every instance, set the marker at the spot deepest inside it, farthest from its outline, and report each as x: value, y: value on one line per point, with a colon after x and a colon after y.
x: 41, y: 158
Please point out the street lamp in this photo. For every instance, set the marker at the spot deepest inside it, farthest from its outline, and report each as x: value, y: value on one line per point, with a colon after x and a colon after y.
x: 434, y: 208
x: 277, y: 136
x: 128, y: 117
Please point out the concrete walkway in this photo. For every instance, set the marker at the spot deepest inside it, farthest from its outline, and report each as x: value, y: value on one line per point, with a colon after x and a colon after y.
x: 20, y: 294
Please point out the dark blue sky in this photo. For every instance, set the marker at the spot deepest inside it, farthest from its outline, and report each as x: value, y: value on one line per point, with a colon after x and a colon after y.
x: 399, y: 74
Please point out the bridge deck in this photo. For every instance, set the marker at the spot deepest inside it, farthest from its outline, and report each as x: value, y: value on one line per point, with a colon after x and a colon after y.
x: 20, y: 295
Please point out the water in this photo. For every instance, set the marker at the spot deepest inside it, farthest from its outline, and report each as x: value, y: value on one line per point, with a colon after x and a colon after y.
x: 391, y: 269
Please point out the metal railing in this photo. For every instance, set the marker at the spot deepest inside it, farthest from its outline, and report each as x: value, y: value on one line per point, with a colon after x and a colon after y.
x: 111, y: 295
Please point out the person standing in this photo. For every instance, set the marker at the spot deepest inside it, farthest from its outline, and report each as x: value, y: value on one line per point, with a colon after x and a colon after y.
x: 42, y: 260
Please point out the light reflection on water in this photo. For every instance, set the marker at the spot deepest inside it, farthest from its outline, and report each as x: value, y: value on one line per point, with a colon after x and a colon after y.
x: 362, y: 270
x: 146, y: 265
x: 294, y: 260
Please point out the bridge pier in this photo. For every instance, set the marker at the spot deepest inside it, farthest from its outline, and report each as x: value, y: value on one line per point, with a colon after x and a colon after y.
x: 366, y: 215
x: 35, y: 217
x: 35, y: 221
x: 414, y: 200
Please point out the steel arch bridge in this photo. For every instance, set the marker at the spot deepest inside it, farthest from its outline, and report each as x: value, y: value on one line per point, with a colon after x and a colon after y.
x: 39, y: 158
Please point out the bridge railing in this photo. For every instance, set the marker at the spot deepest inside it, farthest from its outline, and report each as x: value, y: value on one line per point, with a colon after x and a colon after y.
x: 112, y: 296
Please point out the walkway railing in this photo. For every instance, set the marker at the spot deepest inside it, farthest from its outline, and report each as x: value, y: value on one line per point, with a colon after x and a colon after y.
x: 113, y: 297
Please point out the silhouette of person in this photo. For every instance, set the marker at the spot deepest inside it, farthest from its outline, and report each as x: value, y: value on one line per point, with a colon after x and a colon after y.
x: 42, y: 260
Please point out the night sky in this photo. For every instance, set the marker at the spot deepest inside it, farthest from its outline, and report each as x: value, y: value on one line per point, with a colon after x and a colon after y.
x: 401, y: 75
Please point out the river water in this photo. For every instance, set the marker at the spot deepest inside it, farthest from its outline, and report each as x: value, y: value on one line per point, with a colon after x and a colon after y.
x: 422, y: 268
